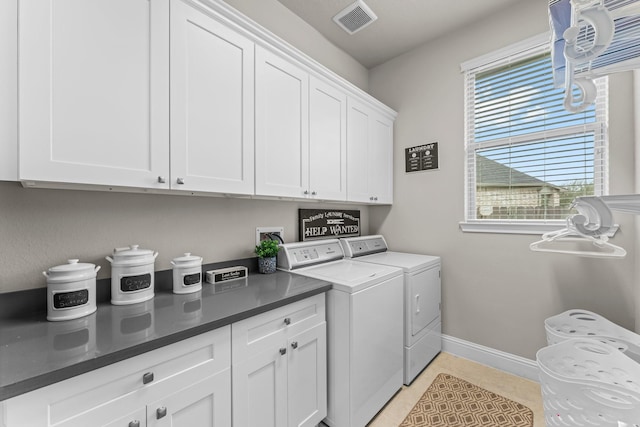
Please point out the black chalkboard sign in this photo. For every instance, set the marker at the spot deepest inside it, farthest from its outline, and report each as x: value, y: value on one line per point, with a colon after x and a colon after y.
x: 135, y: 283
x: 70, y: 299
x: 191, y: 279
x: 328, y: 223
x: 421, y: 157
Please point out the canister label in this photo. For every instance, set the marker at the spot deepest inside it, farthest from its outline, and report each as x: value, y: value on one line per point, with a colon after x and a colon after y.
x: 70, y: 299
x: 191, y: 279
x: 135, y: 283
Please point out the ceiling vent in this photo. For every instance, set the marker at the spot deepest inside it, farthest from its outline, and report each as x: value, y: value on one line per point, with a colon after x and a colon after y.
x: 355, y: 17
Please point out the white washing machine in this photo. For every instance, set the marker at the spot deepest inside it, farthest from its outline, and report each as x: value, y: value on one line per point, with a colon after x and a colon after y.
x: 422, y: 298
x: 364, y: 328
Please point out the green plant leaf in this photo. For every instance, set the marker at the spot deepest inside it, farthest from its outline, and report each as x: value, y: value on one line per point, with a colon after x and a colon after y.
x: 267, y: 248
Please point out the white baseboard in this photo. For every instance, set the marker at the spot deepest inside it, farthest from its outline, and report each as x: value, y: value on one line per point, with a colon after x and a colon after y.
x: 497, y: 359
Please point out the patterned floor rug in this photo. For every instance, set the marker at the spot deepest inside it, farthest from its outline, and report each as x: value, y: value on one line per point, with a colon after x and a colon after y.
x: 452, y: 402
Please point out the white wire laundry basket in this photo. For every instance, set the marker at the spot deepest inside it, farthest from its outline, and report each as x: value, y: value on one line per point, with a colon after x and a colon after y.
x: 587, y: 383
x: 578, y: 323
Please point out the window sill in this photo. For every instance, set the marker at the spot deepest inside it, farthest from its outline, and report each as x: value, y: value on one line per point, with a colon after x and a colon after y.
x: 516, y: 227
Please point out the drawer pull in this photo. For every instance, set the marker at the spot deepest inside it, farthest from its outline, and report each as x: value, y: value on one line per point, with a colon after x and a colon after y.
x: 147, y: 378
x: 161, y: 412
x: 294, y: 345
x: 287, y: 320
x: 283, y: 351
x: 135, y: 423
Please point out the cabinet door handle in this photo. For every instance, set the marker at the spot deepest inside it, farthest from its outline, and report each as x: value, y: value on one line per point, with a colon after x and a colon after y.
x: 283, y: 351
x: 375, y: 198
x: 180, y: 181
x: 147, y: 378
x: 161, y: 180
x: 294, y: 345
x: 371, y: 198
x: 135, y: 423
x: 287, y: 320
x: 161, y: 412
x: 417, y: 303
x: 306, y: 192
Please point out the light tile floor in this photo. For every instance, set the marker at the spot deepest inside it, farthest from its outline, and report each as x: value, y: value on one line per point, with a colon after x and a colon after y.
x: 510, y: 386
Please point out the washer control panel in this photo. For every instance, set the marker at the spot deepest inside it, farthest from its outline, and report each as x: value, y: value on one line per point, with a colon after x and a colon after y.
x: 302, y: 254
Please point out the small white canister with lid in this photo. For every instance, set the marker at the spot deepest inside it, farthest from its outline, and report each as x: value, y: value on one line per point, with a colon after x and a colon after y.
x: 187, y: 274
x: 132, y: 275
x: 71, y: 290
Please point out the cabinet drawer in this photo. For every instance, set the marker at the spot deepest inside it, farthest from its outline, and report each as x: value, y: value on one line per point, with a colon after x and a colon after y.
x: 184, y: 361
x: 257, y: 333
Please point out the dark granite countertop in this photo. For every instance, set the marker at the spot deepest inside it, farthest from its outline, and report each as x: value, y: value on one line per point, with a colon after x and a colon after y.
x: 35, y: 352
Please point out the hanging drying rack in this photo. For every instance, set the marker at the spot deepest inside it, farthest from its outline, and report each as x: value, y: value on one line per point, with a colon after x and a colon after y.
x: 591, y: 225
x: 592, y: 38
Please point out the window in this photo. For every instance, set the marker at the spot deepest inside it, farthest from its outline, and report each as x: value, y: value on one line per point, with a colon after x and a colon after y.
x: 527, y: 157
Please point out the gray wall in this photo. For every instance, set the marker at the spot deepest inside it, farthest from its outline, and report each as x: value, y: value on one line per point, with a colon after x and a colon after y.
x: 275, y: 17
x: 496, y: 292
x: 42, y: 228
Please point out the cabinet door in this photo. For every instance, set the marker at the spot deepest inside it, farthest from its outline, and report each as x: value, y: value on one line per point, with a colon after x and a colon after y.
x: 369, y: 155
x: 134, y: 419
x: 206, y: 403
x: 211, y: 104
x: 381, y: 160
x: 260, y: 389
x: 327, y: 142
x: 8, y: 91
x: 282, y: 126
x: 358, y: 135
x: 307, y: 377
x: 93, y: 99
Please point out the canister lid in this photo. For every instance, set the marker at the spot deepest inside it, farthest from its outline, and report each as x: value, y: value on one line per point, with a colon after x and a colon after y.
x: 72, y: 271
x: 187, y: 260
x: 131, y: 251
x: 132, y: 255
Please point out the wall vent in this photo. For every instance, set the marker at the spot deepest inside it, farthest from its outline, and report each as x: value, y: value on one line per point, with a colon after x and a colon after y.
x: 355, y: 17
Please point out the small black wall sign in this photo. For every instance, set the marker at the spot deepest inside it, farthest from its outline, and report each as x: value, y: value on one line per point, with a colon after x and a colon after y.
x: 328, y: 224
x: 421, y: 157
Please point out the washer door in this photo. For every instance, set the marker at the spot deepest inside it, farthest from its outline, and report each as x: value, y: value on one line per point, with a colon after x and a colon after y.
x: 424, y: 298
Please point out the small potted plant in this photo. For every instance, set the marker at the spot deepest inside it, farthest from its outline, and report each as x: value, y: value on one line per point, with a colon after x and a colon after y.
x: 267, y: 251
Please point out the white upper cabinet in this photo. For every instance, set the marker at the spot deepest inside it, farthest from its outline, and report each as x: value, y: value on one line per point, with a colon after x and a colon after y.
x: 369, y: 155
x: 94, y: 104
x: 327, y: 141
x: 8, y: 91
x: 212, y: 75
x: 182, y: 95
x: 282, y: 126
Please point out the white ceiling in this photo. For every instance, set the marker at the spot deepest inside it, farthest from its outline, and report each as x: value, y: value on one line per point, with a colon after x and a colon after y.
x: 401, y: 26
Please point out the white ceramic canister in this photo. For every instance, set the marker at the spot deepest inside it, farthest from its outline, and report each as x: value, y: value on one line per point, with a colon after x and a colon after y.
x: 132, y: 275
x: 187, y: 274
x: 71, y: 290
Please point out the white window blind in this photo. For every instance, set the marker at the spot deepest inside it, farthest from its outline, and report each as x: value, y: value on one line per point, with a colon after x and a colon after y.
x: 527, y: 157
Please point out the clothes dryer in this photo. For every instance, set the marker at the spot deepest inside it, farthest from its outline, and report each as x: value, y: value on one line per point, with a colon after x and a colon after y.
x: 422, y: 298
x: 364, y: 328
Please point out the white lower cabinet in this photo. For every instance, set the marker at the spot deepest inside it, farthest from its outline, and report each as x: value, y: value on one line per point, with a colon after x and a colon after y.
x: 280, y: 367
x: 279, y: 379
x: 170, y: 386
